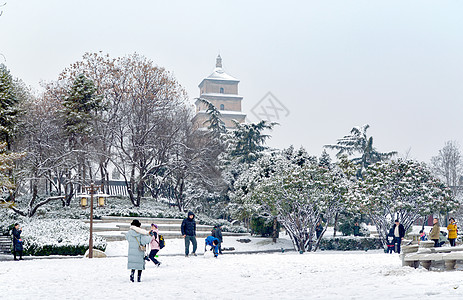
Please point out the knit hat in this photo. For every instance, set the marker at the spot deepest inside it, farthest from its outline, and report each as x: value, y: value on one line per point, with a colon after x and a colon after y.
x: 136, y: 223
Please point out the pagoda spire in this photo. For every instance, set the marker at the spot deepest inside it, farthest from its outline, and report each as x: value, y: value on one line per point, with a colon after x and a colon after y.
x: 218, y: 63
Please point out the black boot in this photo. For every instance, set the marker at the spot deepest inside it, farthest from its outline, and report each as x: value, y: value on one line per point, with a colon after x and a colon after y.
x: 132, y: 274
x: 139, y: 276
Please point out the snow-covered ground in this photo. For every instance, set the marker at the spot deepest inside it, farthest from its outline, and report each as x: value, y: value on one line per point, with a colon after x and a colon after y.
x: 288, y: 275
x: 177, y: 246
x: 323, y: 275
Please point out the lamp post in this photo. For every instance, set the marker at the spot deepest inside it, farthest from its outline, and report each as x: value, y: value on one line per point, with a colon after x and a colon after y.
x: 92, y: 191
x: 90, y: 241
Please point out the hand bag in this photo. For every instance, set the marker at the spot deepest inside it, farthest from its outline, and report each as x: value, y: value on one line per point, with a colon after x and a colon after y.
x: 140, y: 246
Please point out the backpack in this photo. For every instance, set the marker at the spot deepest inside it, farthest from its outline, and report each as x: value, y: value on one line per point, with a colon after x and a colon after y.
x: 162, y: 242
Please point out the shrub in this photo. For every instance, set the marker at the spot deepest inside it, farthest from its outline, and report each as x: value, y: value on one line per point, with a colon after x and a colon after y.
x: 263, y: 226
x: 350, y: 243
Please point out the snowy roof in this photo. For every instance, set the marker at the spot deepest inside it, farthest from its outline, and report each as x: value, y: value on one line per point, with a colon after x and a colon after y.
x: 219, y: 74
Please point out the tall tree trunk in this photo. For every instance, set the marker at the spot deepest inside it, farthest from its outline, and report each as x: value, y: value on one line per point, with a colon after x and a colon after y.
x: 275, y: 232
x: 335, y: 223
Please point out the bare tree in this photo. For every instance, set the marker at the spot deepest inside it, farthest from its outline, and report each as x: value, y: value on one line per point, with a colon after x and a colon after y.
x: 448, y: 164
x: 147, y: 126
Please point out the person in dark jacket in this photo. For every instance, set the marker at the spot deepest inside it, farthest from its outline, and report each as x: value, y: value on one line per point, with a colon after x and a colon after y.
x: 356, y: 229
x: 217, y: 233
x: 399, y: 233
x: 213, y: 242
x: 390, y: 241
x: 17, y: 242
x: 189, y: 233
x: 318, y: 229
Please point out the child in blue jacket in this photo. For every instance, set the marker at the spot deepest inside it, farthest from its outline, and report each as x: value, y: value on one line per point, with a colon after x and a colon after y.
x: 213, y: 243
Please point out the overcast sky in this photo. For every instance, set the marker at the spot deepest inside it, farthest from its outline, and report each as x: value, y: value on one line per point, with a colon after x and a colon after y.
x: 332, y: 65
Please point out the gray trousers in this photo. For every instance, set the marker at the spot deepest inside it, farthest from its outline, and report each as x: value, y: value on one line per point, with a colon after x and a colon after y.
x: 191, y: 238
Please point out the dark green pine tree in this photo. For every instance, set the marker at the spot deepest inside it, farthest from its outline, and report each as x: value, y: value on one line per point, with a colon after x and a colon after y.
x: 249, y: 140
x: 325, y: 160
x: 80, y: 107
x: 216, y: 125
x: 9, y: 110
x: 357, y: 142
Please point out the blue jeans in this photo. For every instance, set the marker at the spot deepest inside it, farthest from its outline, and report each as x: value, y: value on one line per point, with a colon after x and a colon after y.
x: 191, y: 238
x: 398, y: 241
x: 153, y: 255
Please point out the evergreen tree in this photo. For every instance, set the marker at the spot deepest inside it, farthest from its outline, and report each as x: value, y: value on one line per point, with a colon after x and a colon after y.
x: 325, y: 160
x: 249, y: 140
x: 358, y: 142
x: 216, y: 125
x: 80, y: 106
x: 9, y: 109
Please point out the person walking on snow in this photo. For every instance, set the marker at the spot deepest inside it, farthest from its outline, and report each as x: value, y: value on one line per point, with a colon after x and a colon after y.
x: 188, y: 229
x: 154, y: 244
x: 452, y: 229
x: 399, y: 233
x: 17, y: 242
x: 136, y: 237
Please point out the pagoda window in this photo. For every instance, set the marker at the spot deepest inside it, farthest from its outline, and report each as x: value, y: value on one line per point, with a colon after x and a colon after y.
x: 222, y: 107
x: 221, y: 90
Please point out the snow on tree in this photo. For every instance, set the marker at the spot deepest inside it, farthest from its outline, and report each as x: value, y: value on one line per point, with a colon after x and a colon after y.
x: 325, y: 160
x: 293, y: 187
x: 357, y: 142
x: 149, y: 124
x: 248, y: 140
x: 400, y: 189
x: 448, y: 164
x: 214, y: 121
x: 79, y: 107
x: 7, y: 163
x: 9, y: 106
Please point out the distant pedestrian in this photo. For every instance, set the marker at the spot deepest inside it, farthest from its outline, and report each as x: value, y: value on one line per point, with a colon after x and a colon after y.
x: 453, y: 231
x: 188, y: 229
x: 154, y: 244
x: 399, y: 233
x: 423, y: 236
x: 435, y: 232
x: 217, y: 233
x: 356, y: 229
x: 137, y: 238
x: 390, y: 241
x: 318, y: 230
x: 17, y: 242
x: 213, y: 242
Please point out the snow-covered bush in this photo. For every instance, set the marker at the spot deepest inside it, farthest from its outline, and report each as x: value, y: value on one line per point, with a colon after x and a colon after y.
x: 115, y: 206
x: 59, y: 236
x: 51, y: 236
